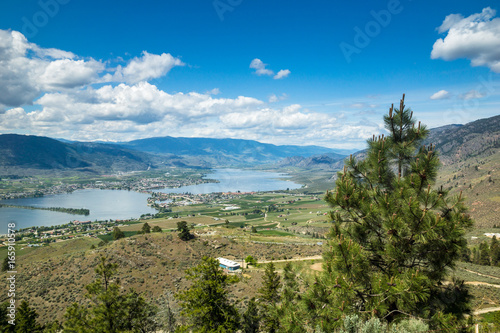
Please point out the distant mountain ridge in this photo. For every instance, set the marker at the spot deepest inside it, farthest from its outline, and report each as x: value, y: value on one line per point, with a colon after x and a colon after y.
x: 459, y: 142
x: 29, y: 152
x: 229, y: 150
x: 329, y: 161
x: 453, y: 142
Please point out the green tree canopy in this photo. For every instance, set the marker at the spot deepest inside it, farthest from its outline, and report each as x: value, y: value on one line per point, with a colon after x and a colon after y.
x: 26, y: 319
x: 183, y: 229
x: 146, y: 228
x: 5, y: 264
x: 205, y: 304
x: 4, y: 319
x: 110, y: 311
x: 251, y: 318
x: 117, y: 233
x: 394, y: 234
x: 269, y: 298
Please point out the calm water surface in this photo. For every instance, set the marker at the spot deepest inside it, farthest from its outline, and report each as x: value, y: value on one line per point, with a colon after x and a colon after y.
x: 121, y: 204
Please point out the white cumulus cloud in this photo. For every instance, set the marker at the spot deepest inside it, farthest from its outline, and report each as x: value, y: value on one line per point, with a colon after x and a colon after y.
x: 441, y: 94
x: 260, y: 67
x: 282, y: 74
x: 274, y: 98
x: 149, y: 66
x: 476, y: 37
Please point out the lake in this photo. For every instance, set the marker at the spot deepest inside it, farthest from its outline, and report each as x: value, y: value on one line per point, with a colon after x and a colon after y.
x: 122, y: 204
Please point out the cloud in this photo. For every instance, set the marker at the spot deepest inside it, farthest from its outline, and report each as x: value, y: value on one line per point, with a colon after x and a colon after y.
x: 260, y: 67
x: 362, y: 105
x: 282, y: 74
x: 28, y: 70
x: 214, y: 91
x: 51, y: 53
x: 86, y: 99
x: 472, y: 94
x: 442, y: 94
x: 127, y: 112
x: 68, y: 73
x: 149, y: 66
x: 476, y: 37
x: 274, y: 98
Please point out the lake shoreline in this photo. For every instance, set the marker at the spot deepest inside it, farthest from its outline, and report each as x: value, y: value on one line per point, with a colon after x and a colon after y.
x: 106, y: 204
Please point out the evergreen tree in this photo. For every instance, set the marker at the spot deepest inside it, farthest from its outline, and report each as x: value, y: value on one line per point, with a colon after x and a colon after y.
x: 290, y: 285
x: 484, y: 254
x: 206, y: 304
x: 26, y: 319
x: 146, y: 229
x: 117, y: 233
x: 183, y: 229
x: 139, y: 316
x: 156, y: 229
x: 4, y: 319
x: 495, y: 251
x: 270, y: 286
x: 109, y: 310
x: 291, y: 316
x: 269, y: 299
x: 393, y: 236
x: 53, y: 327
x: 169, y: 315
x: 5, y: 264
x: 251, y: 318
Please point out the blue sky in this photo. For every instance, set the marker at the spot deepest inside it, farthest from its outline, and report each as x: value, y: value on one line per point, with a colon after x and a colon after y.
x: 279, y: 72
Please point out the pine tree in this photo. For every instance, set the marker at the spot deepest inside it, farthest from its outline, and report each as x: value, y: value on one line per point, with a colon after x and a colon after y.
x: 26, y: 319
x: 146, y: 229
x: 109, y: 310
x: 183, y: 229
x: 495, y: 251
x: 139, y: 316
x: 5, y: 264
x: 206, y: 304
x: 4, y: 319
x: 269, y: 299
x: 251, y: 318
x: 117, y: 233
x: 393, y: 236
x: 484, y: 254
x: 291, y: 316
x: 169, y: 315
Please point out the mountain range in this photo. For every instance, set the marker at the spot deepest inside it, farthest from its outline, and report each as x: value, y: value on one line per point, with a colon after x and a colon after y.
x: 27, y: 154
x: 454, y: 143
x: 30, y: 154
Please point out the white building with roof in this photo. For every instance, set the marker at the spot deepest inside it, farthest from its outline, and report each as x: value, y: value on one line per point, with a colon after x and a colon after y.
x: 228, y: 264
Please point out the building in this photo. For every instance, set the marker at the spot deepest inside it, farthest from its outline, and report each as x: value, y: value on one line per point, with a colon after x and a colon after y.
x: 228, y: 264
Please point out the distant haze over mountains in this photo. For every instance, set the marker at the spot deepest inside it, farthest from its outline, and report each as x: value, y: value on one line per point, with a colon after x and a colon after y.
x: 235, y: 150
x: 454, y: 143
x: 23, y: 154
x: 27, y: 154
